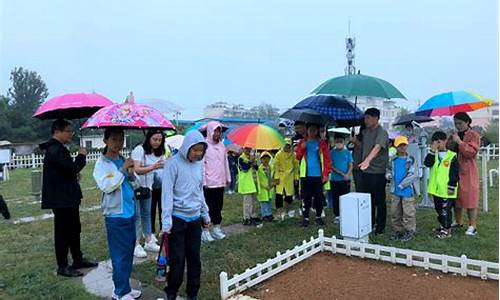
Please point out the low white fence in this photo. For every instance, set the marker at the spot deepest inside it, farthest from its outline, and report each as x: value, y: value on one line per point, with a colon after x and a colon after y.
x: 440, y: 262
x: 36, y: 160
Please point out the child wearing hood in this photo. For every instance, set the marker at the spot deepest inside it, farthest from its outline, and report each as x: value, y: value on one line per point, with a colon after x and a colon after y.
x: 265, y: 186
x: 216, y: 177
x: 184, y: 212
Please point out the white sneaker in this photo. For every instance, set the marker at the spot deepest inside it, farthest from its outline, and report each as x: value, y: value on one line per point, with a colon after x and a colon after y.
x: 151, y: 246
x: 471, y: 231
x: 139, y: 252
x: 323, y: 214
x: 154, y: 239
x: 134, y: 294
x: 206, y: 237
x: 217, y: 233
x: 291, y: 213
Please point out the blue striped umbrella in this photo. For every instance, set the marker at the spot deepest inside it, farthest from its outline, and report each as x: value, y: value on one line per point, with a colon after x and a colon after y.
x: 338, y: 108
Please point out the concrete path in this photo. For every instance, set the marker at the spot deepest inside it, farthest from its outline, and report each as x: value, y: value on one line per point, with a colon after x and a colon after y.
x: 99, y: 281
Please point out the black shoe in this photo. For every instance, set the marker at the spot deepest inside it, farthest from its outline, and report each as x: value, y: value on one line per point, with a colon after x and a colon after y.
x: 84, y: 264
x: 396, y: 236
x: 256, y: 221
x: 69, y: 272
x: 4, y: 210
x: 247, y: 222
x: 305, y: 222
x: 379, y: 231
x: 407, y: 236
x: 320, y: 221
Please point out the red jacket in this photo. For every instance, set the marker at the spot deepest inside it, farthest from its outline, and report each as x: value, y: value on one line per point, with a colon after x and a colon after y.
x: 323, y: 149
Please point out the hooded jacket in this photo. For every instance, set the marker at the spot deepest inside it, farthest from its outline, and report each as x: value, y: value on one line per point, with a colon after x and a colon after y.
x: 60, y: 187
x: 182, y: 188
x: 217, y: 173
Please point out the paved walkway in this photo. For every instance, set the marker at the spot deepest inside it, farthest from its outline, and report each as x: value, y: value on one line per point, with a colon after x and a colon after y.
x: 99, y: 281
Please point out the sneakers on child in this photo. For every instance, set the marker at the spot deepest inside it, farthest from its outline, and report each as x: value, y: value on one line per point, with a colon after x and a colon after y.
x: 305, y: 222
x: 471, y: 231
x: 151, y: 246
x: 247, y: 222
x: 134, y: 294
x: 407, y: 236
x: 323, y: 214
x: 455, y: 225
x: 139, y: 252
x: 443, y: 234
x: 206, y: 237
x: 154, y: 239
x: 291, y: 213
x: 217, y: 233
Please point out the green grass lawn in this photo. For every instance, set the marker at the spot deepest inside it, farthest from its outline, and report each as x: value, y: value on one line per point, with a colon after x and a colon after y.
x: 28, y: 261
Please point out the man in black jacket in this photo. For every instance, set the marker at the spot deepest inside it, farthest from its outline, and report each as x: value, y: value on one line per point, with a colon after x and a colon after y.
x: 61, y: 192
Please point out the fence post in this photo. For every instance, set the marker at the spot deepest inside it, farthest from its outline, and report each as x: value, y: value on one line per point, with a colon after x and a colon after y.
x: 334, y: 244
x: 224, y: 289
x: 463, y: 265
x: 33, y: 161
x: 321, y: 236
x: 484, y: 178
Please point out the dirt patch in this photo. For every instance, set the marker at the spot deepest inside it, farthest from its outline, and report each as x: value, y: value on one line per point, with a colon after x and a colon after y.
x: 328, y: 276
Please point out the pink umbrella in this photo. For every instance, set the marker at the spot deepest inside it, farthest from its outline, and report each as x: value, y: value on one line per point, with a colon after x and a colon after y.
x: 128, y: 115
x: 72, y: 106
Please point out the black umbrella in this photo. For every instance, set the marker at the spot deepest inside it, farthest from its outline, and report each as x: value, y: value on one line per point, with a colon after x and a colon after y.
x: 307, y: 115
x: 409, y: 118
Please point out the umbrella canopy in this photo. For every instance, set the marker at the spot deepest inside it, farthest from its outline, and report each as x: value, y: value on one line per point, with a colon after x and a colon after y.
x: 409, y: 118
x: 448, y: 104
x: 72, y: 106
x: 341, y: 110
x: 341, y: 130
x: 358, y: 85
x: 128, y: 115
x: 256, y: 136
x: 307, y: 115
x: 202, y: 127
x: 174, y: 141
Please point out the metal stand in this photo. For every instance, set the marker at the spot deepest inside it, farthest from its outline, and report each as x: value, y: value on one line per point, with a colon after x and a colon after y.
x: 422, y: 142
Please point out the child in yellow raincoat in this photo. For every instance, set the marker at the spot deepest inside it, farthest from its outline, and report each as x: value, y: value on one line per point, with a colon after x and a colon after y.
x: 286, y: 175
x: 265, y: 186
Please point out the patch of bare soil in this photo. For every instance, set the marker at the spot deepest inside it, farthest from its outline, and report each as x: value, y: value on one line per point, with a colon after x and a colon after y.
x: 328, y: 276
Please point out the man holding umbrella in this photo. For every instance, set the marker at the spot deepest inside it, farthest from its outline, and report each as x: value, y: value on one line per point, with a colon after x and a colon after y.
x: 373, y: 165
x: 61, y: 192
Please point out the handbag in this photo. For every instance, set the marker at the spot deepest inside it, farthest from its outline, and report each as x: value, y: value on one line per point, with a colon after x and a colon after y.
x: 142, y: 193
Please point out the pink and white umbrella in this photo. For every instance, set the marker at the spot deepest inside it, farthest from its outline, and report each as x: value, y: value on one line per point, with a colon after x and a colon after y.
x: 128, y: 115
x: 72, y: 106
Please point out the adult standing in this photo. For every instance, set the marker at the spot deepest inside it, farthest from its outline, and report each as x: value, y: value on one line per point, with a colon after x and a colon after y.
x: 468, y: 187
x: 217, y: 176
x: 357, y: 156
x: 148, y: 163
x: 374, y: 163
x: 61, y: 192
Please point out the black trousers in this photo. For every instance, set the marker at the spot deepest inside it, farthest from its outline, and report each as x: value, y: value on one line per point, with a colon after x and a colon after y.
x: 337, y: 189
x: 374, y: 184
x: 184, y: 244
x: 279, y: 200
x: 358, y: 179
x: 313, y: 187
x: 67, y: 230
x: 215, y: 200
x: 443, y: 207
x: 155, y: 203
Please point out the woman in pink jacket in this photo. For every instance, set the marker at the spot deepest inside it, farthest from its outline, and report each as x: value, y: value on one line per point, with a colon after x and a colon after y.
x: 217, y: 177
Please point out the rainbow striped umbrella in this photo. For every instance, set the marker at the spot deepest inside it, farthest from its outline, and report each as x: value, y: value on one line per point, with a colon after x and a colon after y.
x: 448, y: 104
x: 257, y: 136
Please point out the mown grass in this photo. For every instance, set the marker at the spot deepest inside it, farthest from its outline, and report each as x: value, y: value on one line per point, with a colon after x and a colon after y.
x: 28, y: 261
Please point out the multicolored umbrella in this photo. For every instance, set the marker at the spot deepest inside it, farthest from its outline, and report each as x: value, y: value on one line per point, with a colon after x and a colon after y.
x: 448, y: 104
x: 71, y: 106
x: 128, y: 115
x: 257, y: 136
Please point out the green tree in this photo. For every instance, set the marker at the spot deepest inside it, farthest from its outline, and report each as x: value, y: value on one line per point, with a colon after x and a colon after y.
x: 491, y: 132
x: 16, y: 109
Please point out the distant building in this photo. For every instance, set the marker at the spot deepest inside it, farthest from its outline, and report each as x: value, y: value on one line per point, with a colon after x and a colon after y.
x: 95, y: 141
x: 223, y: 109
x: 389, y: 111
x: 482, y: 117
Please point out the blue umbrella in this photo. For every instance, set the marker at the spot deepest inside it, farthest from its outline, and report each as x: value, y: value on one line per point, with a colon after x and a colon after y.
x: 338, y: 108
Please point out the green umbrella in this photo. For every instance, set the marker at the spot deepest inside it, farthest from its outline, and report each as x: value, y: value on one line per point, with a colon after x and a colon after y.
x: 358, y: 85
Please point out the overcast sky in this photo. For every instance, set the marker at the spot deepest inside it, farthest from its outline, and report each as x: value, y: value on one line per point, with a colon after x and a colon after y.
x: 194, y: 53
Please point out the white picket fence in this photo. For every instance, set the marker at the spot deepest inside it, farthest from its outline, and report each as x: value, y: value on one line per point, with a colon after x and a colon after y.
x: 492, y: 151
x: 36, y: 160
x: 429, y: 261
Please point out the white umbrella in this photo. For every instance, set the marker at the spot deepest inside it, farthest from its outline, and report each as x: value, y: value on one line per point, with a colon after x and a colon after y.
x: 342, y: 130
x: 175, y: 141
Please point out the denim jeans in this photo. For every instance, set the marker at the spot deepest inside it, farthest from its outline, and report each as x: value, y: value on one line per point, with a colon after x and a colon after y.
x: 143, y: 217
x: 121, y: 243
x: 266, y: 208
